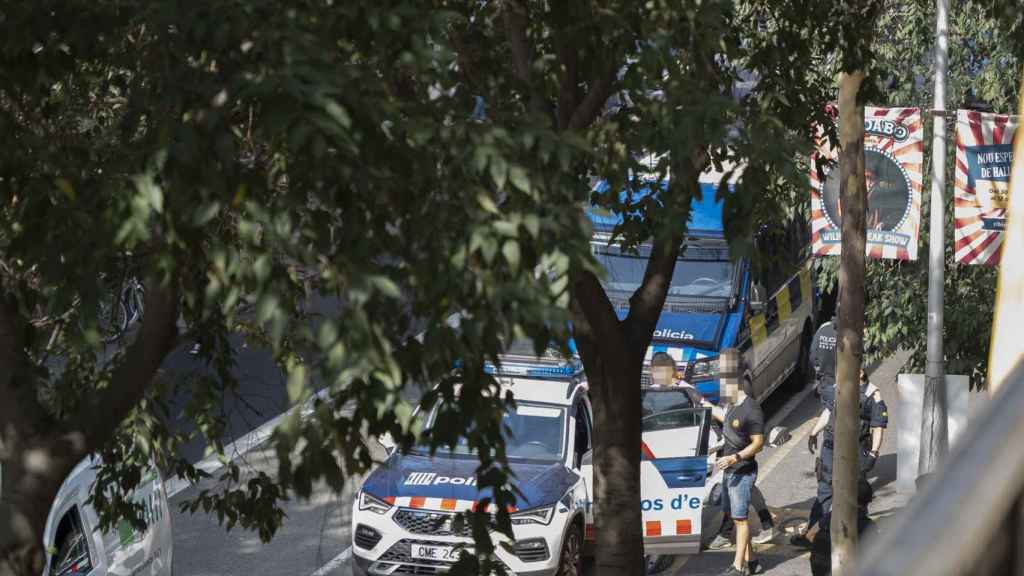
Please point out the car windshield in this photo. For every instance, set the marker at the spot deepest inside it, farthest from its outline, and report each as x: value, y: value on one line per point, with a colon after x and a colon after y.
x: 669, y: 408
x: 690, y: 279
x: 532, y: 432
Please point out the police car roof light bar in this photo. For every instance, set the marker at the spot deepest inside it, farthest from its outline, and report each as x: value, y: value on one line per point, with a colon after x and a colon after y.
x: 533, y: 367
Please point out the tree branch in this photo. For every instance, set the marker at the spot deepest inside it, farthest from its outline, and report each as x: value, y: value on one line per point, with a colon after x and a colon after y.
x: 592, y: 305
x: 101, y: 416
x: 517, y: 22
x: 646, y: 303
x: 601, y: 88
x: 569, y: 92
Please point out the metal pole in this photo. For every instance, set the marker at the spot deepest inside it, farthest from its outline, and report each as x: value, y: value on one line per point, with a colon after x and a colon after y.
x: 934, y: 436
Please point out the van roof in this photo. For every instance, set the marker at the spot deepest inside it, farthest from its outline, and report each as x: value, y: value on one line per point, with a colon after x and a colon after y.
x: 705, y: 214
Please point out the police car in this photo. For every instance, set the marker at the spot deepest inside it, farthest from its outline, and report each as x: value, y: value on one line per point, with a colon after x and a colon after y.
x: 403, y: 516
x: 75, y: 546
x: 767, y: 309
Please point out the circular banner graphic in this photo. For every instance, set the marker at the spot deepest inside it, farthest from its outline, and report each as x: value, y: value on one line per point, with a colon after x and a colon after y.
x: 889, y: 192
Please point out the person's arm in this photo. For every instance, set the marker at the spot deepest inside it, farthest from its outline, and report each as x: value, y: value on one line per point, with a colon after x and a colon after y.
x: 718, y: 413
x: 822, y: 422
x: 877, y: 434
x: 879, y: 421
x: 755, y: 446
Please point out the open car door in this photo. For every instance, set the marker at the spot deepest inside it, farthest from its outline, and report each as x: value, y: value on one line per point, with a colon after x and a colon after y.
x: 673, y: 478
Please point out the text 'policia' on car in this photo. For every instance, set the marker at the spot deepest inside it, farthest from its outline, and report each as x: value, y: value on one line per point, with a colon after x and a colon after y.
x: 403, y: 519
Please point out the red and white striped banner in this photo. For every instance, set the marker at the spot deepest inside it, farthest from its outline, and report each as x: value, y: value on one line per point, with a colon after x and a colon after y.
x: 893, y: 155
x: 984, y: 156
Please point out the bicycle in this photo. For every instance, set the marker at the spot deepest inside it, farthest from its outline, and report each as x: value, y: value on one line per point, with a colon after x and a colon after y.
x: 118, y: 314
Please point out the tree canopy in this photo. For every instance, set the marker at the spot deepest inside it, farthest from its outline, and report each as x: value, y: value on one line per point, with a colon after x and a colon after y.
x: 408, y: 162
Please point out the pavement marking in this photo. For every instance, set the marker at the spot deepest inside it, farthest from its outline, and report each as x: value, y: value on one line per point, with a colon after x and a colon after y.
x: 240, y: 447
x: 334, y: 563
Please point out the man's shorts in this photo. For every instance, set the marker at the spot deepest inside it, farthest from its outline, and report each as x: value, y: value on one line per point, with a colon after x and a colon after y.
x: 736, y: 494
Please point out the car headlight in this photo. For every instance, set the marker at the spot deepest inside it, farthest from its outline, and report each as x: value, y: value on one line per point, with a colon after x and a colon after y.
x: 534, y: 516
x: 705, y: 369
x: 370, y: 502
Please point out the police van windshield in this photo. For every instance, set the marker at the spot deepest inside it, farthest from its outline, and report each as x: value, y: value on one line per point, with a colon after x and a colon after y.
x: 691, y: 278
x: 531, y: 431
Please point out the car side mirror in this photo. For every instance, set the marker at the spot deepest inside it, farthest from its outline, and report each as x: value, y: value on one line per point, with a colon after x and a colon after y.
x: 778, y: 436
x: 387, y: 443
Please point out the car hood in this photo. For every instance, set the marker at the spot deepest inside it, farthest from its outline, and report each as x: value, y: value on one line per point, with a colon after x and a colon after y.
x: 413, y: 475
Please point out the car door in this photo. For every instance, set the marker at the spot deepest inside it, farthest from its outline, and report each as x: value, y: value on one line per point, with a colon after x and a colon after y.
x: 586, y: 465
x: 673, y: 478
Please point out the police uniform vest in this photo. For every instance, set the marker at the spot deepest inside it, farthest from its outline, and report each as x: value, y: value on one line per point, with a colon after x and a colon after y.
x: 872, y: 413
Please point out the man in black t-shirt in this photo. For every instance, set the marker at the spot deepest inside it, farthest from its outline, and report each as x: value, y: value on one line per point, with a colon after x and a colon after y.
x: 743, y: 431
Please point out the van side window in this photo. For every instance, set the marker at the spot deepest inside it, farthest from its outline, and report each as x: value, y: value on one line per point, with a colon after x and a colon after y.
x: 72, y: 556
x: 780, y: 250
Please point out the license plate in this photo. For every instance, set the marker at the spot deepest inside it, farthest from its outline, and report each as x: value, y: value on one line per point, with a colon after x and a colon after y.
x: 443, y: 553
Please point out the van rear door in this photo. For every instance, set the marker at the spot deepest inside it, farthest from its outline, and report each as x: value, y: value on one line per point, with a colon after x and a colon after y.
x: 673, y: 474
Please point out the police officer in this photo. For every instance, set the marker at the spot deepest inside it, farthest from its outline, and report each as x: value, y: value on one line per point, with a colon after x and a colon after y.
x: 823, y: 357
x: 874, y: 419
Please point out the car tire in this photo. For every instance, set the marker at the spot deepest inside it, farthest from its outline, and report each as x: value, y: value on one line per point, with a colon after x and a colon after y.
x: 570, y: 559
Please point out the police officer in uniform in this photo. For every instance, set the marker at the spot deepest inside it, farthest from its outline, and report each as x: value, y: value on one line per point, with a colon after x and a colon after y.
x: 874, y: 419
x: 823, y: 357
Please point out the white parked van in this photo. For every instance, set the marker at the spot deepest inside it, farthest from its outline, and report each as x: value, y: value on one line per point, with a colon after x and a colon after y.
x: 76, y: 547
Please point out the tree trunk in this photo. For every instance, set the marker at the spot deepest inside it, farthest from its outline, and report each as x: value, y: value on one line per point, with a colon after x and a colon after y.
x: 605, y: 353
x: 36, y: 452
x: 617, y: 515
x: 853, y: 199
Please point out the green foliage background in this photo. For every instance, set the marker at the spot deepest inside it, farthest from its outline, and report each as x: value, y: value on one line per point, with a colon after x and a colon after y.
x: 984, y: 64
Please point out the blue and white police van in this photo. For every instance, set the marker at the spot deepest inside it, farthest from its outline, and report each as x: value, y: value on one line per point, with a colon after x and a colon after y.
x: 766, y: 309
x: 403, y: 516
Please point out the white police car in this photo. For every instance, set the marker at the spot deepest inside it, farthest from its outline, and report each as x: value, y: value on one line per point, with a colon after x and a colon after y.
x: 76, y: 547
x: 402, y: 521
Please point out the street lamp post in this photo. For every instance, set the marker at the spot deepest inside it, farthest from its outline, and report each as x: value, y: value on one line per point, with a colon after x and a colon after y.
x: 934, y: 434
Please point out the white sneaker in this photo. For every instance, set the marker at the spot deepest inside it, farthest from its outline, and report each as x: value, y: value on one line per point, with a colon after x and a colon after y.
x: 720, y: 543
x: 765, y: 536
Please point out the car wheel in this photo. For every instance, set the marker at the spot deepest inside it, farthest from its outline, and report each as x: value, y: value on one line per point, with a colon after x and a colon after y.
x: 570, y: 561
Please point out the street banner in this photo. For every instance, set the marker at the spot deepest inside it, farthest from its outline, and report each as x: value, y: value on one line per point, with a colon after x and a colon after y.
x: 893, y: 154
x: 984, y: 156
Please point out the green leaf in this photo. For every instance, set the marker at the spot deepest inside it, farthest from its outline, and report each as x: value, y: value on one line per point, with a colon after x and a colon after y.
x: 511, y: 252
x: 499, y: 171
x: 519, y: 178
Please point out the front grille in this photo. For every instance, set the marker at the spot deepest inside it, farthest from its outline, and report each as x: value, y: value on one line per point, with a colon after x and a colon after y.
x: 431, y: 523
x: 400, y: 553
x: 535, y: 555
x: 366, y: 537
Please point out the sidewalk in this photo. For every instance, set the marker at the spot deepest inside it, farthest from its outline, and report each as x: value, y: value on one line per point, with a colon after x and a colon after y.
x: 787, y: 480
